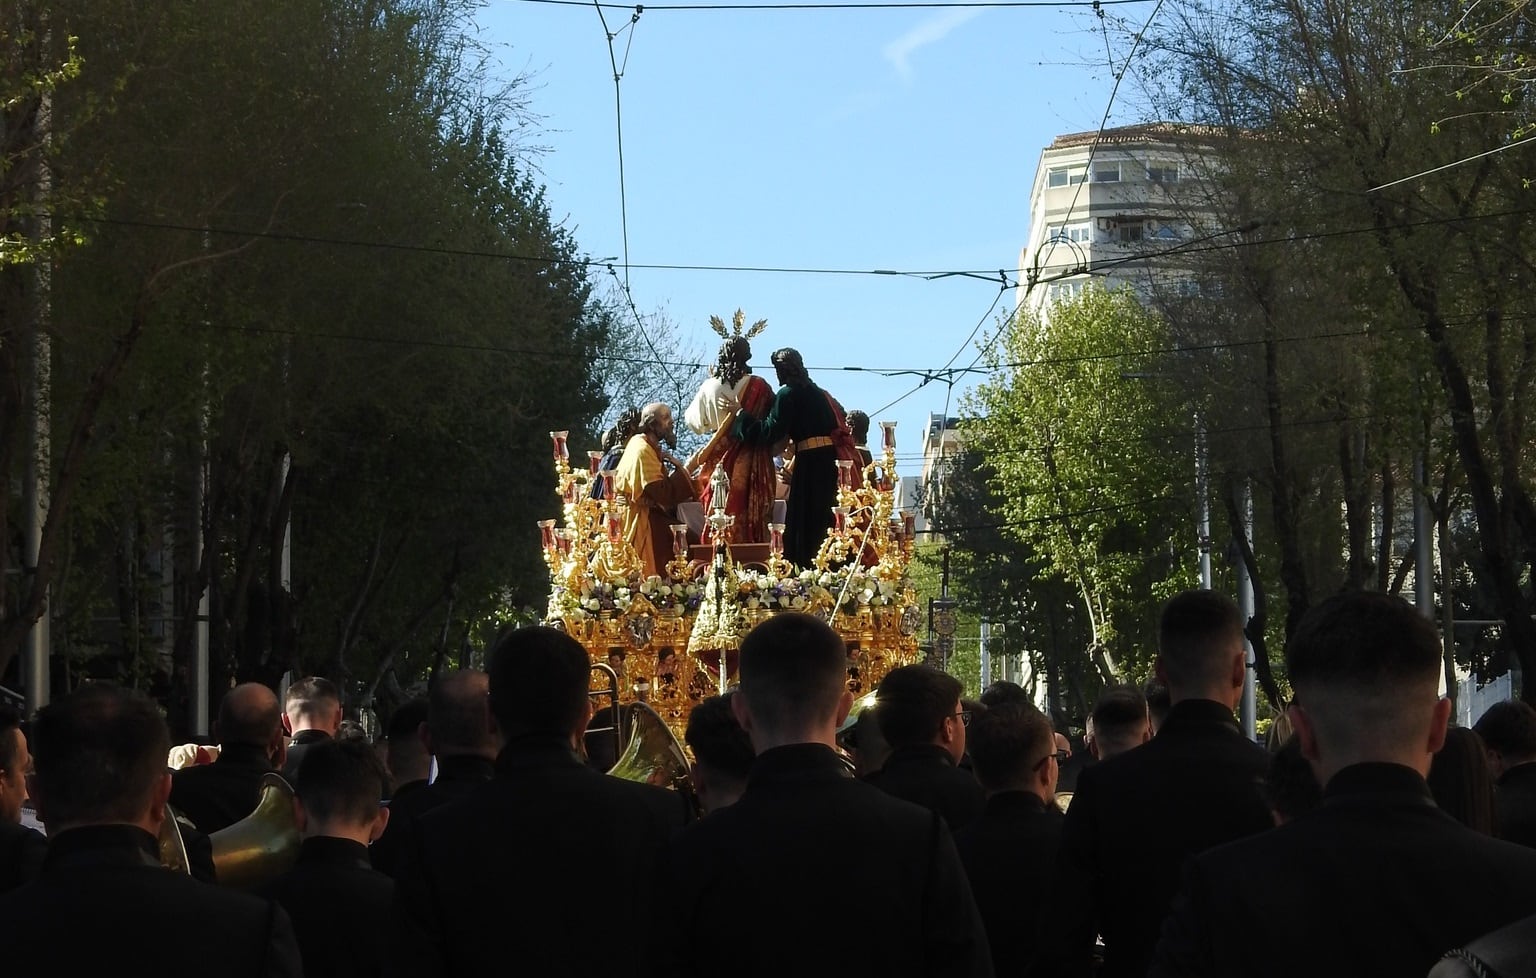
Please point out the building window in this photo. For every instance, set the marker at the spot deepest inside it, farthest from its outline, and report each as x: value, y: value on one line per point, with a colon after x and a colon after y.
x: 1106, y: 173
x: 1163, y: 171
x: 1065, y: 176
x: 1076, y: 233
x: 1065, y: 291
x: 1129, y: 231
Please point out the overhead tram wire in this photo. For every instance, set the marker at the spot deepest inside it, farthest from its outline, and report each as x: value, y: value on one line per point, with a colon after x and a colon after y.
x: 618, y: 122
x: 1097, y: 6
x: 1093, y: 147
x: 1196, y: 246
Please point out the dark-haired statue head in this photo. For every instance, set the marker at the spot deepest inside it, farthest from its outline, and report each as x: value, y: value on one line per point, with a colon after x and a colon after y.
x: 732, y: 363
x: 790, y: 368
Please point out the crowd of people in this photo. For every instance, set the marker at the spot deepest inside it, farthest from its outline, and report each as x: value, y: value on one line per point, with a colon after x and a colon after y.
x: 920, y: 834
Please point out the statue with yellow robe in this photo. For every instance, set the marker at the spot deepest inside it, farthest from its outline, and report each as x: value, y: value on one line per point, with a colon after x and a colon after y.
x: 653, y: 492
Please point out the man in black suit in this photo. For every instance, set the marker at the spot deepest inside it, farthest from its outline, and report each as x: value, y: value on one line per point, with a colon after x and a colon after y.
x: 552, y: 830
x: 1119, y: 722
x: 1135, y: 818
x: 921, y: 717
x: 251, y: 744
x: 1376, y: 880
x: 1010, y: 851
x: 103, y: 903
x: 312, y: 713
x: 1508, y: 730
x: 21, y: 847
x: 337, y: 900
x: 812, y: 870
x: 459, y: 732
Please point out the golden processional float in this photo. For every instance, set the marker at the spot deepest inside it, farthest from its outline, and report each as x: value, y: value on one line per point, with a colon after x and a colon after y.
x: 668, y: 641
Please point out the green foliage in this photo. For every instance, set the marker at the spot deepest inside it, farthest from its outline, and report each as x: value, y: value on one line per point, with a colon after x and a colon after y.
x: 1089, y: 452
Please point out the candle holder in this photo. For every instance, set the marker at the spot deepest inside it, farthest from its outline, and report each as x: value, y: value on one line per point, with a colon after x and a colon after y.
x: 595, y: 460
x: 776, y: 539
x: 840, y: 519
x: 908, y: 526
x: 563, y: 540
x: 888, y: 435
x: 845, y: 473
x: 547, y: 534
x: 562, y: 452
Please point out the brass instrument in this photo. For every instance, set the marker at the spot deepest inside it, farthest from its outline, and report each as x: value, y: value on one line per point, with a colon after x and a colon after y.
x: 653, y: 754
x: 173, y: 847
x: 264, y: 844
x: 604, y: 751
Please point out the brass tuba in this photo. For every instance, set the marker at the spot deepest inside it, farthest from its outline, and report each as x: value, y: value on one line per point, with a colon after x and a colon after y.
x: 173, y: 847
x: 264, y: 844
x: 652, y: 755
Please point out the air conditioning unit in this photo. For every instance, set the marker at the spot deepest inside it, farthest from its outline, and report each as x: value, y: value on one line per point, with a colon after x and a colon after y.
x: 1106, y: 224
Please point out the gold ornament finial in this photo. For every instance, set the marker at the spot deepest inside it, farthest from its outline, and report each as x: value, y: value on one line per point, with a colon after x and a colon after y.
x: 737, y: 322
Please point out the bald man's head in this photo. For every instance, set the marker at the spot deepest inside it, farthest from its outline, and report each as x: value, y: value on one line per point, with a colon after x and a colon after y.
x: 249, y: 714
x: 459, y: 715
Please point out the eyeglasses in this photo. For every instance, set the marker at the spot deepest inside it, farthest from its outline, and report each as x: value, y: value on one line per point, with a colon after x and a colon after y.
x: 1060, y: 756
x: 965, y: 717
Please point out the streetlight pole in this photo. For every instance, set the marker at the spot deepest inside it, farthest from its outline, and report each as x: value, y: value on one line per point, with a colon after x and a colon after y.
x: 1249, y: 710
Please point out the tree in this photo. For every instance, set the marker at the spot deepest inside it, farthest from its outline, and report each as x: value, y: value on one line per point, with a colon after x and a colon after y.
x: 1363, y: 148
x: 1085, y: 444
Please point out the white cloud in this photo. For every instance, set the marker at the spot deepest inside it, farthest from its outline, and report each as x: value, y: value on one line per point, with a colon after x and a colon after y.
x: 931, y: 31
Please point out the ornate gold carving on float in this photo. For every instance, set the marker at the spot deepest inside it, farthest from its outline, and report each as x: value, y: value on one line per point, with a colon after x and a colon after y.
x: 674, y: 637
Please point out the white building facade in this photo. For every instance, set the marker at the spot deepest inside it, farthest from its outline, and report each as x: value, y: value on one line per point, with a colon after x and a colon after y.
x: 1114, y: 208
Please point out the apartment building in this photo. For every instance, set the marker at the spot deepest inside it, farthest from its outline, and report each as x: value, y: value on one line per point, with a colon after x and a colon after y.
x: 1115, y: 208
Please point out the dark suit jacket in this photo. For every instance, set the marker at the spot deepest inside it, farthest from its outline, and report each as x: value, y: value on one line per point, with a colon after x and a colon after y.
x: 1509, y: 952
x: 815, y: 872
x: 1009, y: 854
x: 103, y: 905
x: 21, y: 855
x: 457, y: 777
x: 926, y: 775
x: 546, y: 863
x: 338, y: 902
x: 216, y: 796
x: 1375, y: 881
x: 1133, y: 821
x: 296, y: 748
x: 1515, y: 805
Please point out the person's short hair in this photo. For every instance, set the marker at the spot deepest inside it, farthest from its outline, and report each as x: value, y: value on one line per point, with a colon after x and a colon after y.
x: 1196, y: 637
x: 1362, y: 664
x: 10, y: 719
x: 1290, y: 785
x: 539, y: 677
x: 244, y: 719
x: 1159, y: 700
x: 1120, y: 716
x: 794, y: 670
x: 858, y: 423
x: 312, y: 696
x: 403, y: 733
x: 717, y: 740
x: 99, y: 754
x: 1461, y: 781
x: 914, y: 700
x: 459, y: 713
x: 1509, y: 728
x: 1002, y: 691
x: 1007, y: 744
x: 341, y: 780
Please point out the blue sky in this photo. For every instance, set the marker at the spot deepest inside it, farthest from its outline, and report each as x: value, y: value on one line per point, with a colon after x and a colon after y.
x: 901, y: 139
